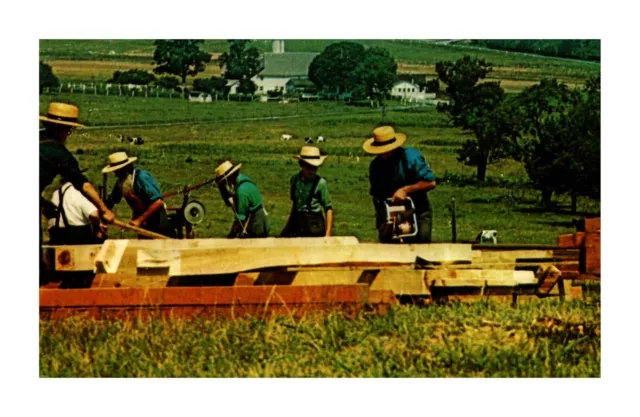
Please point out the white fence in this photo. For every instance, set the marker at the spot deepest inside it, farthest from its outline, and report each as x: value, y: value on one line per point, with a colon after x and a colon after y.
x: 113, y: 90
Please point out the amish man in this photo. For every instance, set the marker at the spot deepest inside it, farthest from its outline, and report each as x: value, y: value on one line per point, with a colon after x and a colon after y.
x: 398, y: 173
x: 142, y: 193
x: 77, y: 221
x: 240, y: 193
x: 312, y: 211
x: 55, y: 158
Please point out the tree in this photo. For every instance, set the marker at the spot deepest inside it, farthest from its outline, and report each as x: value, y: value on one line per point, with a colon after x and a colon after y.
x: 375, y: 73
x: 211, y: 85
x: 246, y: 86
x: 561, y: 152
x: 480, y: 109
x: 133, y: 76
x: 180, y: 58
x: 333, y: 70
x: 432, y: 86
x: 47, y: 77
x: 168, y: 82
x: 241, y: 62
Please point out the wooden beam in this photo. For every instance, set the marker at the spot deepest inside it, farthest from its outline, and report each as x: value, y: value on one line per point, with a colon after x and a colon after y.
x: 209, y: 301
x: 591, y: 254
x: 72, y: 257
x: 224, y: 260
x: 481, y: 275
x: 547, y: 278
x: 111, y: 252
x: 592, y: 225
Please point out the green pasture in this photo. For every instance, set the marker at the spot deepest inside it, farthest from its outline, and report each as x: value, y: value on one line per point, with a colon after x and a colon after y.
x: 485, y: 339
x: 188, y: 153
x: 412, y: 52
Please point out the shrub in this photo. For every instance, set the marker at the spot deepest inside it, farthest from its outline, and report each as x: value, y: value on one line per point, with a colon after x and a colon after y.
x: 134, y: 76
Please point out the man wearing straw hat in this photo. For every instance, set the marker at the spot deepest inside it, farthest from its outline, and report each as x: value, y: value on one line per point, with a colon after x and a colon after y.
x: 310, y: 196
x: 59, y: 122
x: 142, y: 193
x: 239, y: 192
x: 397, y: 173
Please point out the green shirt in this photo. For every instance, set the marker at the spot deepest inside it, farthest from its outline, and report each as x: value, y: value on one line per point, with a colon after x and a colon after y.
x: 300, y: 194
x: 248, y: 198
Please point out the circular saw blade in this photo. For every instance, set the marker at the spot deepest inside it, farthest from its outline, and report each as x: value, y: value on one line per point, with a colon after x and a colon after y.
x: 194, y: 212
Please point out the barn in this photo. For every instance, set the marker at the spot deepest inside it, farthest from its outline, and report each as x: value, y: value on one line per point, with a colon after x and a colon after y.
x: 279, y: 67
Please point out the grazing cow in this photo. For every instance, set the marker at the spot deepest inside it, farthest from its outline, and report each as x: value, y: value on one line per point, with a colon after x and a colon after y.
x: 308, y: 140
x: 136, y: 140
x: 285, y: 137
x: 319, y: 139
x: 487, y: 236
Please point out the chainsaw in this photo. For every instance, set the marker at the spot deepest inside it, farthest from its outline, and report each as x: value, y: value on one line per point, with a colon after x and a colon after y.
x: 401, y: 219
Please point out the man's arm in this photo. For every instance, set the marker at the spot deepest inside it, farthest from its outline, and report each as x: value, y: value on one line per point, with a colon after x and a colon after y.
x: 401, y: 193
x: 93, y: 196
x: 329, y: 214
x: 150, y: 211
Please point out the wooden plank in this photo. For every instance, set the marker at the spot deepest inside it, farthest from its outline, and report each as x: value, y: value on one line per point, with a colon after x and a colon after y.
x: 481, y: 275
x: 199, y: 301
x: 110, y: 254
x: 592, y: 225
x: 478, y: 283
x: 571, y: 241
x: 508, y: 256
x: 129, y: 281
x: 158, y: 262
x: 72, y: 257
x: 592, y: 253
x: 547, y: 278
x: 225, y: 260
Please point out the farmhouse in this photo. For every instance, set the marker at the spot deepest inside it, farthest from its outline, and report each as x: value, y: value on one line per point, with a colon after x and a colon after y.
x: 410, y: 87
x: 279, y: 67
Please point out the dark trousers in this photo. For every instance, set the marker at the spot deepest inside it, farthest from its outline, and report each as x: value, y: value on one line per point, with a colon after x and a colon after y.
x: 159, y: 223
x: 258, y: 226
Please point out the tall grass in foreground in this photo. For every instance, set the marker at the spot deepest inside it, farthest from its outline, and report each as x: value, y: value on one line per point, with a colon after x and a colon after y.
x: 485, y: 339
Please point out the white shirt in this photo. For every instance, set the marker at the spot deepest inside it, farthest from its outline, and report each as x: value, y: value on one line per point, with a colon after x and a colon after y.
x: 75, y: 205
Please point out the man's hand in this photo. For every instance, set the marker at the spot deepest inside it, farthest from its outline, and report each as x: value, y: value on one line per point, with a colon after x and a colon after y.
x: 108, y: 216
x: 135, y: 222
x: 399, y: 195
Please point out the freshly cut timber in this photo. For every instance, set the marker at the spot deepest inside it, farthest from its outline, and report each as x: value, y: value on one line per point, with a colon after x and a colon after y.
x: 234, y: 260
x: 210, y: 301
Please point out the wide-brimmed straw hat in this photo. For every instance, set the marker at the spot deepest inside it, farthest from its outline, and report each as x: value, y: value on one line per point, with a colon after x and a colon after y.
x: 63, y: 114
x: 225, y: 169
x: 310, y: 155
x: 118, y: 160
x: 384, y: 139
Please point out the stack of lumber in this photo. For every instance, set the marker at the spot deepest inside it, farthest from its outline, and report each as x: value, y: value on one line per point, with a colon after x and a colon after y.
x: 288, y: 276
x: 587, y: 241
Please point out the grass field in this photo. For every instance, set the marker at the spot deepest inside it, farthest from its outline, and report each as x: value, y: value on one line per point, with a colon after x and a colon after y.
x: 485, y: 339
x: 504, y: 203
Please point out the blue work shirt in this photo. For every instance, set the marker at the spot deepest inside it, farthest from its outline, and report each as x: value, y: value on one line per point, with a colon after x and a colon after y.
x: 405, y: 166
x: 145, y: 187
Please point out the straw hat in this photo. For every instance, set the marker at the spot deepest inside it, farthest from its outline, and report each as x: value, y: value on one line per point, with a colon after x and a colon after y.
x: 118, y: 160
x: 310, y: 155
x: 225, y: 169
x: 384, y: 139
x: 63, y: 114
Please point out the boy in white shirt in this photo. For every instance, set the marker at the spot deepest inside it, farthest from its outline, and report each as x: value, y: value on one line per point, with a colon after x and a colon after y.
x: 77, y: 221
